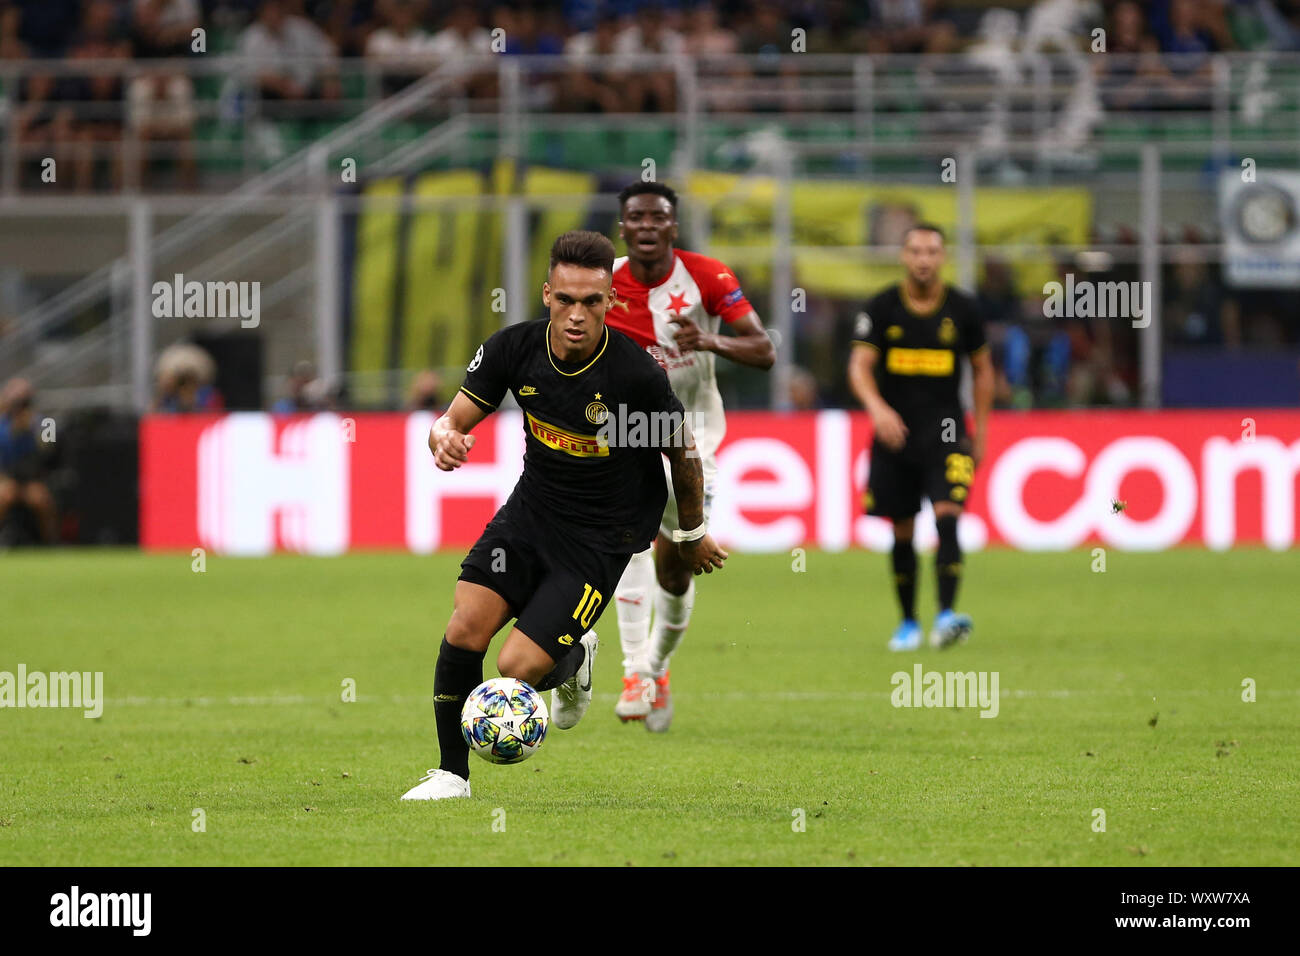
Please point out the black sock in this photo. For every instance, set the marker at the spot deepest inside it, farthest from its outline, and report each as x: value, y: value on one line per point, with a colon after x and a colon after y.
x: 947, y: 561
x: 457, y: 672
x: 904, y: 562
x: 564, y: 668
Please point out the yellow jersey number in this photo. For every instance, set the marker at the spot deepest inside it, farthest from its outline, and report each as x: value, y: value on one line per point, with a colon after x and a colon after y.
x: 961, y: 469
x: 586, y: 609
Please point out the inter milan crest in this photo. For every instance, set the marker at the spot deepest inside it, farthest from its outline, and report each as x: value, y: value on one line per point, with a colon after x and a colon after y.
x: 947, y: 331
x: 597, y: 412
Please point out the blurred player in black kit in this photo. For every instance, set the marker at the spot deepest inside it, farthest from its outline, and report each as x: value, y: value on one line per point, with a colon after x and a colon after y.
x: 905, y: 369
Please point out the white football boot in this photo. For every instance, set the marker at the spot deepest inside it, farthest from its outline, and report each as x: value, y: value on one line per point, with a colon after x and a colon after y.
x: 438, y: 785
x: 571, y: 699
x: 637, y: 697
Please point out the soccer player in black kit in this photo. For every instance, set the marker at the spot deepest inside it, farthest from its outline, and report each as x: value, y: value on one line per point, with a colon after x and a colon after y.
x: 905, y: 369
x: 553, y: 553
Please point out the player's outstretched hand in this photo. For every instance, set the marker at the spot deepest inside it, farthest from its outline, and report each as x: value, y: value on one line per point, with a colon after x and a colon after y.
x: 703, y: 555
x: 889, y: 426
x: 450, y: 447
x: 690, y: 337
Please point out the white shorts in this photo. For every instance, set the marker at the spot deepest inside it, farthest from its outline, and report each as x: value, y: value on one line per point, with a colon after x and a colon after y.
x: 669, y: 524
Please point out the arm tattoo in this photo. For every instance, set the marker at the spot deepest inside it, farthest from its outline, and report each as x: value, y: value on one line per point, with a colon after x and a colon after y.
x: 688, y: 480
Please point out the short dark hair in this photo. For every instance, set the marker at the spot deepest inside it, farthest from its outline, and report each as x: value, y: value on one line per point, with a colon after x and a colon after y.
x: 924, y: 227
x: 640, y: 188
x: 589, y: 250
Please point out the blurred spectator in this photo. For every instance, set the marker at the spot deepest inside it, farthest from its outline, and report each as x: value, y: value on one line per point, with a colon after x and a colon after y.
x: 767, y: 36
x: 185, y: 374
x: 461, y: 38
x: 587, y: 89
x: 1094, y: 378
x: 1008, y: 334
x: 838, y: 27
x: 1192, y: 26
x: 803, y: 390
x: 11, y: 48
x: 1190, y: 30
x: 99, y: 97
x: 1196, y: 311
x: 1261, y: 314
x: 43, y: 28
x: 1097, y: 362
x: 1132, y: 75
x: 909, y: 26
x: 462, y: 34
x: 1032, y: 352
x: 529, y: 31
x: 160, y: 105
x: 766, y: 33
x: 401, y: 47
x: 656, y: 89
x: 22, y: 461
x: 705, y: 35
x: 44, y: 127
x: 425, y: 393
x: 349, y: 23
x: 164, y: 28
x: 160, y: 109
x: 283, y: 46
x: 307, y: 393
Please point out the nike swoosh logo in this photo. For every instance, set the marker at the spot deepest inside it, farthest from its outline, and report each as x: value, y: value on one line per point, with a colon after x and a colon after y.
x: 587, y: 686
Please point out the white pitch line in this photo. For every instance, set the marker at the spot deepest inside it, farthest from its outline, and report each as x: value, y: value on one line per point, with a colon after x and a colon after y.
x: 291, y: 700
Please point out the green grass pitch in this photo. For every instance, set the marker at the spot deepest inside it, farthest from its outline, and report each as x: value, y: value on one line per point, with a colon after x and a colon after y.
x: 1120, y: 691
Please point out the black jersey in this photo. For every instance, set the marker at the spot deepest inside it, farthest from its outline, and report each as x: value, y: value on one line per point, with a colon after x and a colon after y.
x: 580, y: 483
x: 919, y: 369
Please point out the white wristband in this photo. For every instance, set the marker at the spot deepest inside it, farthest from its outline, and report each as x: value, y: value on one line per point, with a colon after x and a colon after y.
x: 693, y: 535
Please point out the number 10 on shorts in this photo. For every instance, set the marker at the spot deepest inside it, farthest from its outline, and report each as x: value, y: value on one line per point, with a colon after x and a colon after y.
x: 586, y: 609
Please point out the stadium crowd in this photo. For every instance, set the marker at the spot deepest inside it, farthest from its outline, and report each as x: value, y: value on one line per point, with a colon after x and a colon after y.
x: 407, y: 37
x: 107, y: 126
x: 46, y: 29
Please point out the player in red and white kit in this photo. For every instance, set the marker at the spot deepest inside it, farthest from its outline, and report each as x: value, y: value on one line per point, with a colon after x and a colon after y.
x: 674, y: 304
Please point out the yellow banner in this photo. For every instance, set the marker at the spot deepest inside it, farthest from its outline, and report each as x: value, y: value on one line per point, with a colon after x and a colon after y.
x: 837, y: 214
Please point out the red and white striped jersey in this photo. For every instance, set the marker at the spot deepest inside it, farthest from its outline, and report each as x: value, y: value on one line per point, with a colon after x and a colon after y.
x: 698, y: 289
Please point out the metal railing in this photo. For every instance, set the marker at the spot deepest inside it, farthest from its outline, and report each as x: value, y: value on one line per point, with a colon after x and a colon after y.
x: 982, y: 97
x: 304, y: 172
x: 774, y: 116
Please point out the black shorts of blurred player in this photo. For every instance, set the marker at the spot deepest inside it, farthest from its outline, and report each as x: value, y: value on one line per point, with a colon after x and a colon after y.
x: 897, y: 481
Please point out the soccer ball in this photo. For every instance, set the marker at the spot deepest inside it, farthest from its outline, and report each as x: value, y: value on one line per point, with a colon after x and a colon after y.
x: 504, y: 720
